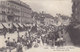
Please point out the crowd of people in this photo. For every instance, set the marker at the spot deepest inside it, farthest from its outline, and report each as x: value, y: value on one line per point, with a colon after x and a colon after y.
x: 34, y: 39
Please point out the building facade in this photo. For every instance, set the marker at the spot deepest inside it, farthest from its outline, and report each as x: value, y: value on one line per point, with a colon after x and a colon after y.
x: 76, y: 10
x: 74, y: 28
x: 15, y: 11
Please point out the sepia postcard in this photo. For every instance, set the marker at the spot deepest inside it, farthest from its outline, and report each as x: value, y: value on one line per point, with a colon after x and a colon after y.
x: 39, y: 25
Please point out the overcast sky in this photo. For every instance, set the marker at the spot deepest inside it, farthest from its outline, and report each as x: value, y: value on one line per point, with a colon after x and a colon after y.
x: 51, y: 6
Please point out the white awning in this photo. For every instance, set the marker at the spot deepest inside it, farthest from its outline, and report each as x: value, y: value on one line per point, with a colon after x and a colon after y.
x: 20, y: 25
x: 15, y: 25
x: 1, y: 27
x: 26, y: 25
x: 29, y: 25
x: 7, y: 25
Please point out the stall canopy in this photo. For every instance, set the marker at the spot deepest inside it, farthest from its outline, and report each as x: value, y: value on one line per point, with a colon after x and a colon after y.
x: 26, y: 25
x: 7, y: 25
x: 15, y: 25
x: 29, y: 25
x: 1, y: 27
x: 20, y: 25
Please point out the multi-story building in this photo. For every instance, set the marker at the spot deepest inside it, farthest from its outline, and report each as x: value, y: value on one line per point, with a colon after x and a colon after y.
x: 76, y: 10
x: 74, y: 28
x: 50, y: 20
x: 15, y: 11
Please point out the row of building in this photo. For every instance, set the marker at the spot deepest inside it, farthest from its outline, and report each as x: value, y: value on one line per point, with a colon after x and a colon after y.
x: 15, y: 11
x: 18, y: 11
